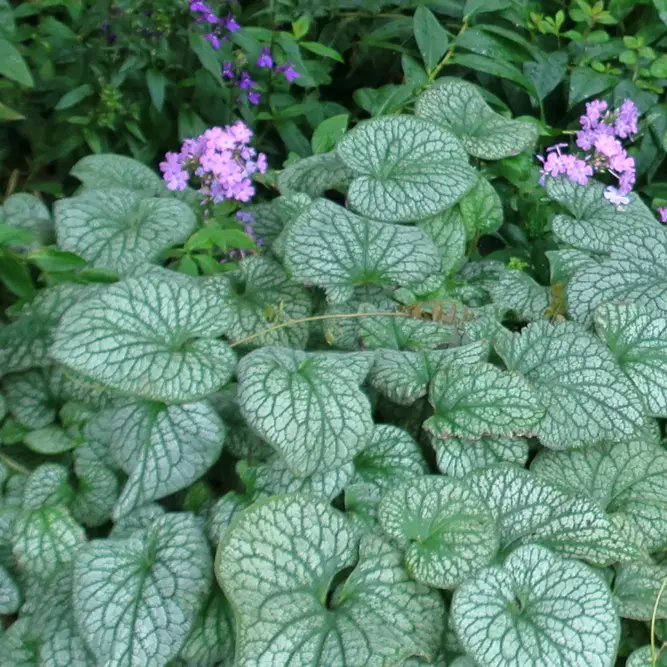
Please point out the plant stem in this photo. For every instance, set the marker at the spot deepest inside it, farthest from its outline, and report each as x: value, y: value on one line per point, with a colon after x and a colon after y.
x: 15, y: 466
x: 448, y: 55
x: 314, y: 318
x: 654, y: 655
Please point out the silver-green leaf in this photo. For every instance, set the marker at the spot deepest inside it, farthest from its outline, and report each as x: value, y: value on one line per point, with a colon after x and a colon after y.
x: 594, y: 222
x: 309, y: 407
x: 635, y: 272
x: 587, y: 396
x: 277, y: 564
x: 471, y: 401
x: 150, y: 337
x: 135, y: 600
x: 446, y: 529
x: 120, y: 229
x: 529, y: 509
x: 162, y: 448
x: 405, y: 168
x: 537, y: 609
x: 345, y: 250
x: 459, y: 106
x: 314, y: 175
x: 457, y: 457
x: 627, y: 478
x: 638, y: 340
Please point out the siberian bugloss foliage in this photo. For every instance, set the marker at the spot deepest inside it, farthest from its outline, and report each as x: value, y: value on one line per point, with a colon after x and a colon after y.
x: 365, y: 445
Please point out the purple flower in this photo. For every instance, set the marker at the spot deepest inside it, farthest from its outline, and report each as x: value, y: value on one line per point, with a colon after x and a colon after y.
x: 617, y: 198
x: 254, y: 97
x: 227, y: 70
x: 246, y: 217
x: 626, y: 182
x: 288, y: 70
x: 594, y: 111
x: 198, y: 6
x: 662, y: 212
x: 265, y: 59
x: 214, y: 39
x: 173, y: 172
x: 627, y: 120
x: 231, y: 24
x: 245, y: 81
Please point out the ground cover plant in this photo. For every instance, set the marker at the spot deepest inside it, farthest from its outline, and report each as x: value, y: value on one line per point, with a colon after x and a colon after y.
x: 385, y: 388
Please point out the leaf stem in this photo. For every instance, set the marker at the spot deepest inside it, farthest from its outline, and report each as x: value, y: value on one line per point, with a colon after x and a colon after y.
x: 444, y: 60
x: 313, y: 318
x: 14, y: 465
x: 654, y: 615
x: 448, y: 54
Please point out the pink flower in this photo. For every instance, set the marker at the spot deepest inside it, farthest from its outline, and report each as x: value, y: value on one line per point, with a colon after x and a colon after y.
x: 662, y: 212
x: 608, y: 146
x: 578, y: 171
x: 622, y: 162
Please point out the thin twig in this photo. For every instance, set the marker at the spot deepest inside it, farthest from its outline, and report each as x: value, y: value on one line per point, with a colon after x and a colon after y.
x: 314, y: 318
x: 14, y: 465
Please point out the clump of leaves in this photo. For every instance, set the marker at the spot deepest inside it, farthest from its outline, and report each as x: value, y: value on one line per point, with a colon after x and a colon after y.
x: 365, y: 445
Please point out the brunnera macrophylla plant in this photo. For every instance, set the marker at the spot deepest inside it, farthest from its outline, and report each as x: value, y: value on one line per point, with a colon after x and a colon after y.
x: 359, y: 447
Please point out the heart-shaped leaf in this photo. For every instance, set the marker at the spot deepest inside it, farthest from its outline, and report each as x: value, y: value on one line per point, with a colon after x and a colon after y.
x: 626, y: 478
x: 635, y: 272
x: 121, y: 229
x: 345, y: 250
x: 162, y: 448
x: 149, y: 337
x: 593, y: 222
x: 309, y: 407
x: 459, y: 106
x: 529, y: 509
x: 405, y: 168
x: 45, y: 540
x: 471, y: 401
x: 446, y: 529
x: 587, y: 396
x: 390, y: 457
x: 638, y: 340
x: 135, y: 600
x: 537, y: 609
x: 259, y: 295
x: 278, y: 564
x: 404, y: 376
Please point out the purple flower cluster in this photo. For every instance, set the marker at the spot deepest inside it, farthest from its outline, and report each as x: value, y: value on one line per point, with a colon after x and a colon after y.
x: 222, y: 161
x: 206, y: 15
x: 600, y: 138
x: 662, y: 212
x: 264, y: 61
